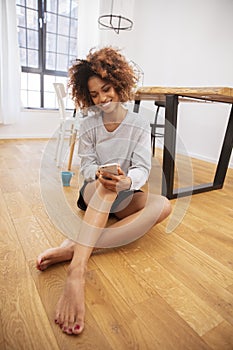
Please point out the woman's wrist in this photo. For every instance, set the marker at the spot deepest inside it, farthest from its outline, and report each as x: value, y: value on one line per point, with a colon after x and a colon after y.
x: 126, y: 184
x: 129, y: 181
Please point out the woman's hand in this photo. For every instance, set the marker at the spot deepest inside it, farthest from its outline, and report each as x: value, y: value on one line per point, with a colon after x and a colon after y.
x: 115, y: 183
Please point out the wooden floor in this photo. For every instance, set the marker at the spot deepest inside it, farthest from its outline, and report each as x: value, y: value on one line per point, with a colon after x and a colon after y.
x: 165, y: 291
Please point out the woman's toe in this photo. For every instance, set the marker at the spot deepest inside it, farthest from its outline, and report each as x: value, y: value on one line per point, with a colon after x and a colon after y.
x: 78, y: 328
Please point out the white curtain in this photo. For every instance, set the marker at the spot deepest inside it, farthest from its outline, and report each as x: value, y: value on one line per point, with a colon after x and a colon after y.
x: 9, y: 64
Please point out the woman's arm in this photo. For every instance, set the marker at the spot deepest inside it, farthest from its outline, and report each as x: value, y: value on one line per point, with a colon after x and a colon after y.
x: 87, y: 152
x: 140, y: 167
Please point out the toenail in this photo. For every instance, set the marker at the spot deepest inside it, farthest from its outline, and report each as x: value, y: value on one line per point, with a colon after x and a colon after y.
x: 70, y: 329
x: 77, y: 327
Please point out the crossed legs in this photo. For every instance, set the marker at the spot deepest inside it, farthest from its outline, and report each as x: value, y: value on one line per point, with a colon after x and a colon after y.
x: 135, y: 220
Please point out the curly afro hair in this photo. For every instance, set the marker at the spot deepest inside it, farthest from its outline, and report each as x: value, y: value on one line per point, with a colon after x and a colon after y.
x: 107, y: 64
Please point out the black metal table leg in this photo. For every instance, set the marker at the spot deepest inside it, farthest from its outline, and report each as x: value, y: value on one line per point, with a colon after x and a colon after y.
x: 225, y: 154
x: 169, y: 145
x: 136, y: 106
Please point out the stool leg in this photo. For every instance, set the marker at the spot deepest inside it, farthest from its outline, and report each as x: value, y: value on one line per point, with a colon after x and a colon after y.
x: 74, y: 135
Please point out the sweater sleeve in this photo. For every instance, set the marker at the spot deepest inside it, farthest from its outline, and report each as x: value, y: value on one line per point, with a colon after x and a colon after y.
x: 87, y: 152
x: 140, y: 167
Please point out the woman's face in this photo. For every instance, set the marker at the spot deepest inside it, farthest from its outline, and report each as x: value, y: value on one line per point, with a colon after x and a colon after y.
x: 102, y: 94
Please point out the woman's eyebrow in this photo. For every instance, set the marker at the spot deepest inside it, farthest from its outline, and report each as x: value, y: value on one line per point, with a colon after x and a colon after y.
x: 102, y: 87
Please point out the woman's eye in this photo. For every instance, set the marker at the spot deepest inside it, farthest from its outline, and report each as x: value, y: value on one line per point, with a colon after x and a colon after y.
x: 106, y: 89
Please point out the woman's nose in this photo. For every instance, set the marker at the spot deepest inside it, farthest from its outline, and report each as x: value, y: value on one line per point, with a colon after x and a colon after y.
x: 102, y: 97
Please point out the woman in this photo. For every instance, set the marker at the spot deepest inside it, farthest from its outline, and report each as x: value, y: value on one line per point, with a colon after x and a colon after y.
x: 103, y: 82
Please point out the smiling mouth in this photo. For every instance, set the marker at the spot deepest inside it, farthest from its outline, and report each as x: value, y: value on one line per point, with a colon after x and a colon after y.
x: 106, y: 104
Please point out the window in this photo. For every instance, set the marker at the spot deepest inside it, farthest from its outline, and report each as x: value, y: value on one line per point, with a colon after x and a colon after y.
x: 47, y: 35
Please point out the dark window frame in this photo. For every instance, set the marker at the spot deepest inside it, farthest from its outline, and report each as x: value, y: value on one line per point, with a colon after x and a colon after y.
x: 41, y: 70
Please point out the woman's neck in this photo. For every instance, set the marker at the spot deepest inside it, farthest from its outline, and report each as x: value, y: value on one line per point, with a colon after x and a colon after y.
x: 116, y: 116
x: 114, y: 119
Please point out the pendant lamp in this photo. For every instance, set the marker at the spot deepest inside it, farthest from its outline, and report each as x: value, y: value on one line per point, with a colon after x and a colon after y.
x: 114, y: 22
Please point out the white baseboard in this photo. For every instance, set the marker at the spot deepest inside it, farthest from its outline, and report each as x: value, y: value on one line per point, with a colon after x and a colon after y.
x: 201, y: 157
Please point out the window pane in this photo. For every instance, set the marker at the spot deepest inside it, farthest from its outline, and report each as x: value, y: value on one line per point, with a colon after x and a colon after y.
x: 33, y: 58
x: 73, y: 46
x: 23, y: 57
x: 33, y: 81
x: 20, y: 16
x: 32, y: 4
x: 32, y: 19
x: 51, y: 61
x: 48, y: 82
x: 30, y: 89
x: 22, y: 37
x: 24, y: 83
x: 51, y: 6
x: 50, y: 100
x: 74, y: 9
x: 24, y: 98
x: 62, y: 63
x: 51, y: 42
x: 62, y: 44
x: 51, y: 23
x: 73, y: 28
x: 20, y: 2
x: 34, y: 99
x: 63, y: 25
x: 32, y: 39
x: 64, y: 7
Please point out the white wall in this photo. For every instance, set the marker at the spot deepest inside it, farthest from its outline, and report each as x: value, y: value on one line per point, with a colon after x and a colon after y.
x: 177, y: 43
x: 185, y: 43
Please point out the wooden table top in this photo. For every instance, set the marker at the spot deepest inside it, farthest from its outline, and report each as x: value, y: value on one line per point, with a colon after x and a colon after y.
x: 158, y: 93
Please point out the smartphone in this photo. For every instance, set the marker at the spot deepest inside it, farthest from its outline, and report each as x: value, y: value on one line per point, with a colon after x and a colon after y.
x: 110, y: 168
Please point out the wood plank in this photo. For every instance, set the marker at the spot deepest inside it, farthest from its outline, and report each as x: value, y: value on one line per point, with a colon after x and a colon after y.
x: 22, y: 302
x: 220, y: 337
x: 19, y: 297
x: 230, y: 289
x: 215, y: 271
x: 116, y: 320
x: 17, y: 205
x: 7, y: 182
x: 208, y: 288
x: 31, y: 237
x: 191, y: 308
x: 161, y: 319
x: 131, y: 287
x: 2, y: 342
x: 215, y: 245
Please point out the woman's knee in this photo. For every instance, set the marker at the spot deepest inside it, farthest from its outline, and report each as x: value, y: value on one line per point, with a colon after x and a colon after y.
x: 167, y: 208
x: 160, y: 206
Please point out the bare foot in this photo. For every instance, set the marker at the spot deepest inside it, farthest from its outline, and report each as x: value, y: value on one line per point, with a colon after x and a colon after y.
x: 55, y: 255
x: 70, y: 309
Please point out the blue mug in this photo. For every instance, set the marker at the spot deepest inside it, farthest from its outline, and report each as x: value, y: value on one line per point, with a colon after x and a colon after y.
x: 66, y: 177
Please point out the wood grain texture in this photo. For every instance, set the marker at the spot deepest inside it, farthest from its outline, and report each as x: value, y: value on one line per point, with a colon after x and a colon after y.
x: 157, y: 93
x: 163, y: 291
